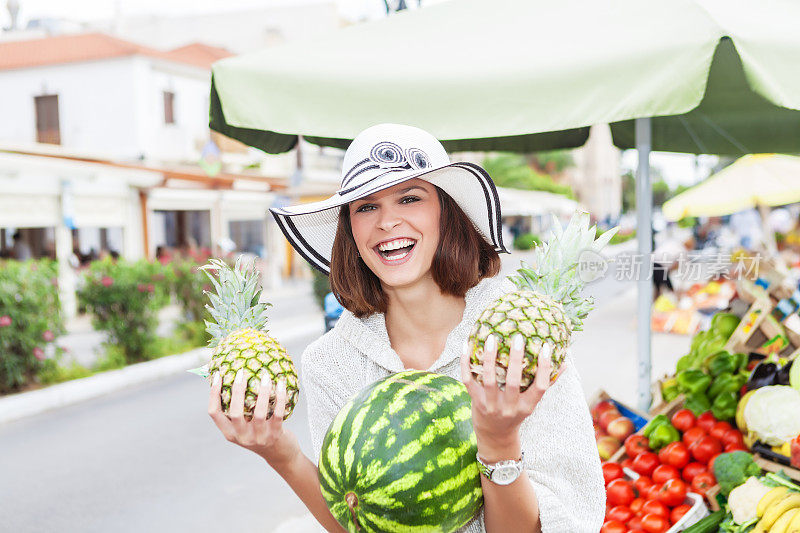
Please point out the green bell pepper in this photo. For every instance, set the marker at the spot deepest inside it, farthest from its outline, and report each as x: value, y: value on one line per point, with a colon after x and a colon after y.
x: 669, y: 389
x: 741, y: 360
x: 723, y: 362
x: 725, y: 382
x: 662, y: 435
x: 693, y: 381
x: 698, y: 403
x: 654, y: 423
x: 684, y: 363
x: 724, y: 406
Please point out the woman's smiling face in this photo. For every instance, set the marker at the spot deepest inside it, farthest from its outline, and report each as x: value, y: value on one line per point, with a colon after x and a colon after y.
x: 396, y: 231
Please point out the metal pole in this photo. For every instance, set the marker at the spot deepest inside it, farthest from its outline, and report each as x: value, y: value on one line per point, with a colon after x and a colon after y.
x: 644, y: 230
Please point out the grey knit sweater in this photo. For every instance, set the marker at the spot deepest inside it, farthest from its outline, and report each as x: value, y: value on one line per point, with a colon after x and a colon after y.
x: 561, y: 457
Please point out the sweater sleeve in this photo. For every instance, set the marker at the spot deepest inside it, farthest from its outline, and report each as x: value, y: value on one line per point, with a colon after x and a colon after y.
x: 327, y: 386
x: 561, y: 458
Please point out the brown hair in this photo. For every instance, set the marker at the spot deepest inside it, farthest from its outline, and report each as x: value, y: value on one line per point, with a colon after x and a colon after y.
x: 462, y: 259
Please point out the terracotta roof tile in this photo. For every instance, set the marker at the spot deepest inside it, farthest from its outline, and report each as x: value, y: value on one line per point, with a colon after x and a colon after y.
x: 94, y: 46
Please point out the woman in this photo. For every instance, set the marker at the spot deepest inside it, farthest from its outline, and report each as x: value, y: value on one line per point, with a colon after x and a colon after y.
x: 411, y: 244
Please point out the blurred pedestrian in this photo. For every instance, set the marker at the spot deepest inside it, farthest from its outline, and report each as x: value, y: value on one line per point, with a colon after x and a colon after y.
x: 21, y: 250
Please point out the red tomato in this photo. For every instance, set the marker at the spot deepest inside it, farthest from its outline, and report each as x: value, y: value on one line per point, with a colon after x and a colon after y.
x: 719, y: 429
x: 662, y: 473
x: 645, y: 463
x: 711, y: 462
x: 706, y: 421
x: 621, y: 513
x: 683, y: 420
x: 675, y: 454
x: 627, y: 463
x: 735, y: 447
x: 652, y: 492
x: 655, y: 507
x: 691, y: 470
x: 635, y: 523
x: 731, y: 437
x: 636, y: 506
x: 636, y: 444
x: 692, y: 434
x: 612, y: 471
x: 704, y: 448
x: 620, y: 492
x: 702, y: 482
x: 678, y: 512
x: 642, y: 483
x: 653, y: 523
x: 673, y: 492
x: 613, y: 526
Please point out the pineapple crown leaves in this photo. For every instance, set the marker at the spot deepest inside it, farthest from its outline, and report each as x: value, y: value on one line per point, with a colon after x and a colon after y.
x: 234, y: 302
x: 556, y: 266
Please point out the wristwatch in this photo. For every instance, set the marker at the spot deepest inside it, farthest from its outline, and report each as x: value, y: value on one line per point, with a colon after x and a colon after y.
x: 502, y: 472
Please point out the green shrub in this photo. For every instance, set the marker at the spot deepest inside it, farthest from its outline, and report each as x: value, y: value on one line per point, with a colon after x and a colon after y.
x: 30, y: 319
x: 189, y: 284
x: 526, y: 241
x: 124, y: 299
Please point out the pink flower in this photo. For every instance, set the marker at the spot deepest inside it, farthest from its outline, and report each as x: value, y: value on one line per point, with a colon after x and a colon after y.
x: 38, y: 353
x: 48, y: 336
x: 141, y: 287
x: 107, y: 281
x: 150, y: 287
x: 5, y: 320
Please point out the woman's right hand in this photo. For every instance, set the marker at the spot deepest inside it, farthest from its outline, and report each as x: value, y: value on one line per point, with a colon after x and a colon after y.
x: 264, y: 436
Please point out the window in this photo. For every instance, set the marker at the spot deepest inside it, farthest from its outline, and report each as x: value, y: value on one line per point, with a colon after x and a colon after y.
x: 169, y: 110
x: 47, y: 129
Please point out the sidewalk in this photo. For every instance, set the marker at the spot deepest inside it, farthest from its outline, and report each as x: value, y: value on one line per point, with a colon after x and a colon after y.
x: 605, y: 352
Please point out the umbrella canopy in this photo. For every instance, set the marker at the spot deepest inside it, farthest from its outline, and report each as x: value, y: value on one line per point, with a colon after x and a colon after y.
x: 752, y: 181
x: 717, y: 76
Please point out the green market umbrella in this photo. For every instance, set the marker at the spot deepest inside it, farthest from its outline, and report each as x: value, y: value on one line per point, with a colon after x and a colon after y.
x: 698, y: 76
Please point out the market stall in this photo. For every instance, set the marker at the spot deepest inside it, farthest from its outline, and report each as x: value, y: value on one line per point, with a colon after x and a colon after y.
x: 719, y: 450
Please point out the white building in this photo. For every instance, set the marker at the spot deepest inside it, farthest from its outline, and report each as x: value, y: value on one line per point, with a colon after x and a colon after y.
x: 597, y: 175
x: 98, y: 94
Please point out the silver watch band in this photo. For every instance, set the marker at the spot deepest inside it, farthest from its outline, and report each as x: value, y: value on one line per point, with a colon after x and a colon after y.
x: 501, y: 472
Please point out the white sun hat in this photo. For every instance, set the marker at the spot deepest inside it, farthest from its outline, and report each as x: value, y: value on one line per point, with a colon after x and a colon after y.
x: 378, y: 158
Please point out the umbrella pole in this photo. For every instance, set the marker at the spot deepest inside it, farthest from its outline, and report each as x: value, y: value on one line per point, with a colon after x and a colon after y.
x: 644, y: 230
x: 769, y: 234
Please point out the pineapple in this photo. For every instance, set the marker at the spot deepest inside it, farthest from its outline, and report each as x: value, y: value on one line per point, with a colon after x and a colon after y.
x: 240, y: 339
x: 545, y: 307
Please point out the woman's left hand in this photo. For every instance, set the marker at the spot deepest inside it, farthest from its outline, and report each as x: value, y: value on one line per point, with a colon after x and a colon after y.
x: 498, y: 414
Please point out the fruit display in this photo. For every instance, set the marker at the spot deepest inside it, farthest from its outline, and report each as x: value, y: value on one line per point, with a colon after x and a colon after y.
x: 547, y: 306
x: 611, y: 426
x: 769, y: 503
x: 240, y: 339
x: 400, y: 456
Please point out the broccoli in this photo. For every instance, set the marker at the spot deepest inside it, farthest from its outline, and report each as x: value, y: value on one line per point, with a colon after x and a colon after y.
x: 732, y: 469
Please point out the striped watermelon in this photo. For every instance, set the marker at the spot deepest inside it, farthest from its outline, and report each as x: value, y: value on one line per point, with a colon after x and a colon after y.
x: 400, y: 456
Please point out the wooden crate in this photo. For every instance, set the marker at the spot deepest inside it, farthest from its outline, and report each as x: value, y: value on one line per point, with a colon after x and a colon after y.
x: 749, y: 326
x: 771, y: 466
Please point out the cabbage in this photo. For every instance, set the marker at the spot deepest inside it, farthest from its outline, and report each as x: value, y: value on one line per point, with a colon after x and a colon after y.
x: 772, y: 414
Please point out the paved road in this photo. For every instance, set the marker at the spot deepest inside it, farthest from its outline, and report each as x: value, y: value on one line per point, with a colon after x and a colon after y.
x: 145, y: 459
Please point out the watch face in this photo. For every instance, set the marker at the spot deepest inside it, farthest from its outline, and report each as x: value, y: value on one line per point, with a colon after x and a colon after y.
x: 505, y: 474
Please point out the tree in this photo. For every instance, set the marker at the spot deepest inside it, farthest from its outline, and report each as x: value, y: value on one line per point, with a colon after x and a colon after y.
x: 513, y: 171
